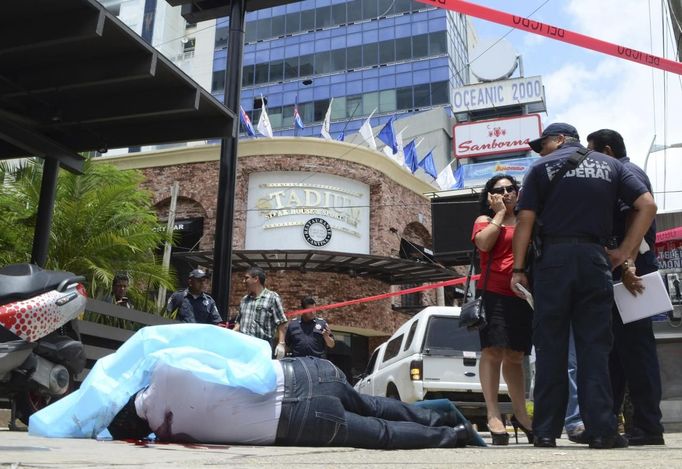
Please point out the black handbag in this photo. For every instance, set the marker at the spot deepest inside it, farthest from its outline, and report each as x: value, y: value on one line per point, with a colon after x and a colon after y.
x: 472, y: 313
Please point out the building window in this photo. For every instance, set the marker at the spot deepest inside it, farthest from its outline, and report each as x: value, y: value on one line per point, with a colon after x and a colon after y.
x: 293, y: 22
x: 411, y: 300
x: 218, y: 81
x: 278, y: 28
x: 422, y: 95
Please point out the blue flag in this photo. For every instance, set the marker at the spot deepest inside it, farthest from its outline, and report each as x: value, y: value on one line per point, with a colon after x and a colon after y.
x: 298, y: 122
x: 428, y: 165
x: 410, y: 151
x: 387, y: 135
x: 459, y: 178
x: 341, y: 136
x: 246, y: 122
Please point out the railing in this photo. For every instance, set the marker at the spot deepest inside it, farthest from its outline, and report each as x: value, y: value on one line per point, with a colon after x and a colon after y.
x: 100, y: 340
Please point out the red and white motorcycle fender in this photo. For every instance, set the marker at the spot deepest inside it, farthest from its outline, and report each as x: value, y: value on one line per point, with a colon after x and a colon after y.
x: 34, y: 318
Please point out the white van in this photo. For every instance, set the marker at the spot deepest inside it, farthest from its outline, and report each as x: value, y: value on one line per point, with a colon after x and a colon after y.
x: 431, y: 357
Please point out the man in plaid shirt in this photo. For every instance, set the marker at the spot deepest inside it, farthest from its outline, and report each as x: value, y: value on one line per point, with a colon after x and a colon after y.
x: 261, y: 313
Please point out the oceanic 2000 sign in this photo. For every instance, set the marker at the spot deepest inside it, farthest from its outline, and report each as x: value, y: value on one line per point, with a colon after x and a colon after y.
x: 301, y: 210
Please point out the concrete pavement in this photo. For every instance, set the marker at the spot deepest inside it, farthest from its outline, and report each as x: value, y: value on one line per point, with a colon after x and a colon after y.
x: 18, y: 449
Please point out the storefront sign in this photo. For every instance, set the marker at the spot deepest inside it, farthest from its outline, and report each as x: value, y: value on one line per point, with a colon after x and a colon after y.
x: 476, y: 174
x: 495, y: 94
x: 495, y: 136
x: 300, y: 210
x: 669, y: 255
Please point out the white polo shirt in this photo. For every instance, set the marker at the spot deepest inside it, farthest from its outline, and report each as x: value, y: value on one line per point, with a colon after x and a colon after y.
x: 179, y: 406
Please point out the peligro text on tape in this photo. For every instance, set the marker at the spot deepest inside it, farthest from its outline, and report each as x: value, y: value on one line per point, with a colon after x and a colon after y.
x: 560, y: 34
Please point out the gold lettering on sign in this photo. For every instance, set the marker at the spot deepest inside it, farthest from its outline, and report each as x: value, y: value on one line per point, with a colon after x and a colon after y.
x: 283, y: 199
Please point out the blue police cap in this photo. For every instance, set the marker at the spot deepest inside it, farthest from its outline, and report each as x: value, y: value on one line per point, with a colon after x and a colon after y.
x: 558, y: 128
x: 198, y: 273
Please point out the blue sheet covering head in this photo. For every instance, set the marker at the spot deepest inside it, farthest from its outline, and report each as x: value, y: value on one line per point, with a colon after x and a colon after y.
x: 213, y: 353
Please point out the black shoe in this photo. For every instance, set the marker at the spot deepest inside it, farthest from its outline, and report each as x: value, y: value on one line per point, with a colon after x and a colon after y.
x: 544, y: 442
x: 608, y: 442
x: 500, y: 439
x: 516, y: 424
x: 640, y: 438
x: 465, y: 434
x: 579, y: 438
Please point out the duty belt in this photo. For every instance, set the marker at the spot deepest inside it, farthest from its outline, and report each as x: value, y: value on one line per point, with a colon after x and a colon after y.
x: 548, y: 240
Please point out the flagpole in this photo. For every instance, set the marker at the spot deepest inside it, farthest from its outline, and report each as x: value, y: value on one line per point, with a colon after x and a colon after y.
x: 295, y: 109
x: 351, y: 117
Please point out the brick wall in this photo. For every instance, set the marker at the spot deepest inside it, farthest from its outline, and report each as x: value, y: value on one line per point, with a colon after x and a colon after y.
x: 395, y: 211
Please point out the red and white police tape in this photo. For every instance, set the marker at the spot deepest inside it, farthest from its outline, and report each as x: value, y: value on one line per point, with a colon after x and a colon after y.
x: 553, y: 32
x: 366, y: 299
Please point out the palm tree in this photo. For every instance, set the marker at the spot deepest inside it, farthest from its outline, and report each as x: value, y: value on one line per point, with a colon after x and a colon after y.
x: 103, y: 223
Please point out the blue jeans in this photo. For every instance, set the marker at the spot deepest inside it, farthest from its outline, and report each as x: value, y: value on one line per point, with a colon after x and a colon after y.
x: 320, y: 408
x: 573, y: 420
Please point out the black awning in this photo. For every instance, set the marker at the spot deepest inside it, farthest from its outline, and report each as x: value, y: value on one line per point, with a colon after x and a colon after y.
x: 391, y: 270
x: 74, y: 78
x: 201, y: 10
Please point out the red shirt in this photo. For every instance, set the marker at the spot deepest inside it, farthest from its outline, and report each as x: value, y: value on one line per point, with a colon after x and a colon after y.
x: 502, y: 264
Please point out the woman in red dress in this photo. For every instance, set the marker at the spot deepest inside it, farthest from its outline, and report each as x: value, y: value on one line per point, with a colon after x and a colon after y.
x: 507, y: 336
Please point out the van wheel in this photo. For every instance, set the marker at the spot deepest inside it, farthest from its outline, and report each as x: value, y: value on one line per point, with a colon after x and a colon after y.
x: 392, y: 392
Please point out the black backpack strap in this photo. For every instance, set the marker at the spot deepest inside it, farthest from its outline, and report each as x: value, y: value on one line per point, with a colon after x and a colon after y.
x: 572, y: 162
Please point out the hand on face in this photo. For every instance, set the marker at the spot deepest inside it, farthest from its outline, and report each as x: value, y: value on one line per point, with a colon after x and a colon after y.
x: 496, y: 202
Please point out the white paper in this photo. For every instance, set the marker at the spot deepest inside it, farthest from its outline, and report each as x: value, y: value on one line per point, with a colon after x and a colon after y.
x: 654, y: 300
x: 528, y: 295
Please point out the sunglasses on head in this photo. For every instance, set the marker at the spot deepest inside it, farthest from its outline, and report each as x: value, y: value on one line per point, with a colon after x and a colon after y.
x: 501, y: 190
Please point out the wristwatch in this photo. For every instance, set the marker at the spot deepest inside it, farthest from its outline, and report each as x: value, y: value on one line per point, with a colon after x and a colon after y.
x: 518, y: 271
x: 627, y: 265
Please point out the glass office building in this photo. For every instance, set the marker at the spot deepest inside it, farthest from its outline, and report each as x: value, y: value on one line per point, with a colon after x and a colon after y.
x: 392, y: 56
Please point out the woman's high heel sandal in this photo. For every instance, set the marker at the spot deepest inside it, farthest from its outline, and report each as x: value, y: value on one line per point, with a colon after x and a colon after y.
x: 500, y: 439
x: 529, y: 433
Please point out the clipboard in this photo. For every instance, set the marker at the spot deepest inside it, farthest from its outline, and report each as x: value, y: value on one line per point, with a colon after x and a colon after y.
x: 654, y: 300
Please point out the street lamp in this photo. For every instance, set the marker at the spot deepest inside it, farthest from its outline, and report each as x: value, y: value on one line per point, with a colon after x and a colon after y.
x: 653, y: 148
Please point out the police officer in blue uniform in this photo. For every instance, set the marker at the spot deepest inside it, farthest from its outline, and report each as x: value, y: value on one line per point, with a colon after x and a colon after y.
x: 192, y: 304
x: 309, y: 336
x: 572, y: 281
x: 633, y: 359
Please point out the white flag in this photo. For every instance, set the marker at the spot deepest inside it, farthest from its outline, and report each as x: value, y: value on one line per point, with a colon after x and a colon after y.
x: 446, y: 179
x: 327, y: 122
x: 366, y: 132
x: 264, y: 127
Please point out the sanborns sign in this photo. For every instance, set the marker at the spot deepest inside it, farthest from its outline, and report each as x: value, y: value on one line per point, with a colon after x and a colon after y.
x: 496, y: 94
x: 495, y: 136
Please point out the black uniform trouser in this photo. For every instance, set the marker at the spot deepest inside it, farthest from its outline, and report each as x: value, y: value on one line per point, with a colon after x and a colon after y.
x: 573, y: 287
x: 634, y: 362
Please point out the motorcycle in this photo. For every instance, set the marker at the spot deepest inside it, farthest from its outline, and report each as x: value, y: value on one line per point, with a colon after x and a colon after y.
x: 40, y: 348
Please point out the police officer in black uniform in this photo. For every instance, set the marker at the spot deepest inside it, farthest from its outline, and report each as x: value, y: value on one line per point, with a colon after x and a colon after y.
x: 309, y: 336
x: 572, y: 281
x: 192, y: 304
x: 633, y: 359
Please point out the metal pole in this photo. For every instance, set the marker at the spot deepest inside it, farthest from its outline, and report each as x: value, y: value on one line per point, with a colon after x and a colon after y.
x: 651, y: 148
x: 222, y: 251
x: 48, y: 192
x: 165, y: 263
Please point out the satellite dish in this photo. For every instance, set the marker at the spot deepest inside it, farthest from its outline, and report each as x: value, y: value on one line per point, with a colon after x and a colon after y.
x: 493, y: 59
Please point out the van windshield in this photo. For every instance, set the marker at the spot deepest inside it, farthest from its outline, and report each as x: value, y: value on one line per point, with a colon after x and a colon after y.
x: 443, y: 335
